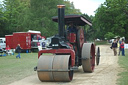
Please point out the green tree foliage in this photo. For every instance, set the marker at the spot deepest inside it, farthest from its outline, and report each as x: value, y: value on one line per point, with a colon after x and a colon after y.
x: 3, y: 19
x: 24, y: 15
x: 43, y: 11
x: 112, y: 17
x: 109, y: 35
x: 13, y: 12
x: 89, y: 30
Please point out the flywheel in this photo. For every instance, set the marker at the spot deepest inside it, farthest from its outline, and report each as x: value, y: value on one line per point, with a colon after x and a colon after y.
x: 97, y: 55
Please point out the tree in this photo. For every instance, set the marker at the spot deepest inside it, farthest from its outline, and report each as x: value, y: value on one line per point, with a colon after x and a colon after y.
x: 24, y: 15
x: 44, y: 10
x: 90, y: 31
x: 3, y: 19
x: 109, y: 35
x: 112, y: 17
x: 13, y: 11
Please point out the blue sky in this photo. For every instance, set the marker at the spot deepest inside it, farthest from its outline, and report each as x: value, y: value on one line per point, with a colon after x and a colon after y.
x: 87, y: 6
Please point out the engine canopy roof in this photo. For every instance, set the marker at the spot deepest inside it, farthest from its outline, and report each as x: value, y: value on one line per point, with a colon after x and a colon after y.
x: 78, y: 20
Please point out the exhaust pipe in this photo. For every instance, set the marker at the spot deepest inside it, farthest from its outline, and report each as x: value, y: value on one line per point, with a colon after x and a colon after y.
x: 61, y: 15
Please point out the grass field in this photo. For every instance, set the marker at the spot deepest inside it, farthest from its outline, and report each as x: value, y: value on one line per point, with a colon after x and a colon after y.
x: 101, y: 42
x: 13, y: 69
x: 123, y: 76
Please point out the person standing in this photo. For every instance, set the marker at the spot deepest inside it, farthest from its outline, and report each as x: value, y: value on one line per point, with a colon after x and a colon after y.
x: 18, y: 49
x: 114, y: 47
x: 122, y: 47
x: 118, y: 45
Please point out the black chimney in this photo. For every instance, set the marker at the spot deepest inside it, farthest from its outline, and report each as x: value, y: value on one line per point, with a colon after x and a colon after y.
x: 61, y: 15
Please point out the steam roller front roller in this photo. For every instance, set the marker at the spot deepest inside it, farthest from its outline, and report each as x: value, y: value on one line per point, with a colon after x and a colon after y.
x: 54, y: 68
x: 88, y: 57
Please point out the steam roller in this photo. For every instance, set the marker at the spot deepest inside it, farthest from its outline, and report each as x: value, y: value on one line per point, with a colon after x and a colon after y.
x: 67, y: 51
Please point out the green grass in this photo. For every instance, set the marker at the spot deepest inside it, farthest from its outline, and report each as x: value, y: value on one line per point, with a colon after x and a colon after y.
x: 101, y: 42
x: 13, y: 69
x: 123, y: 76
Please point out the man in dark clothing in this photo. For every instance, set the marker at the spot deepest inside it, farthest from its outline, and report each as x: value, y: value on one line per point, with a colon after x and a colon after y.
x: 114, y: 47
x: 72, y: 28
x: 18, y: 49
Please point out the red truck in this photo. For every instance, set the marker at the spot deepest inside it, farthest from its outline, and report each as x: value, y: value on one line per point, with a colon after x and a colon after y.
x: 27, y: 40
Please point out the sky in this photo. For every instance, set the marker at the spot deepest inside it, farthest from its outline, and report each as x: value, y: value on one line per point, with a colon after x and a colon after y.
x: 1, y: 1
x: 87, y: 6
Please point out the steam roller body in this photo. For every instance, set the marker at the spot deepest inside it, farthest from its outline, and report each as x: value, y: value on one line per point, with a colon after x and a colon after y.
x: 67, y: 51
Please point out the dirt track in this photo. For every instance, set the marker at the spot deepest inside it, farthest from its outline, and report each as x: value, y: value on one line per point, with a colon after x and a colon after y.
x: 104, y: 74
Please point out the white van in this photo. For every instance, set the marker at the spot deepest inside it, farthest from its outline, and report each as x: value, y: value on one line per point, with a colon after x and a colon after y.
x: 2, y: 43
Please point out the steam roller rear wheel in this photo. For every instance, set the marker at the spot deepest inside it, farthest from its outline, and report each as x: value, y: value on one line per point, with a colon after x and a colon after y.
x: 54, y: 68
x: 88, y: 57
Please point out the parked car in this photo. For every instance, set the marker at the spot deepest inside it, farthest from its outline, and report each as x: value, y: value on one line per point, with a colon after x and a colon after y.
x: 2, y: 43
